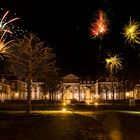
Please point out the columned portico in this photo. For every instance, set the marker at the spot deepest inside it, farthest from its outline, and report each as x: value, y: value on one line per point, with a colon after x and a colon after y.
x: 76, y: 90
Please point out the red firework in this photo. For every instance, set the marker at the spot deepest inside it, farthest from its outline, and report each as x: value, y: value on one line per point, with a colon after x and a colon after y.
x: 99, y: 27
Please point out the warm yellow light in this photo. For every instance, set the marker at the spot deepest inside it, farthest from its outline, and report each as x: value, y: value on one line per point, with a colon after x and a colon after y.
x: 127, y: 94
x: 96, y: 96
x: 2, y: 47
x: 64, y: 110
x: 96, y: 103
x: 16, y: 94
x: 64, y: 104
x: 87, y: 103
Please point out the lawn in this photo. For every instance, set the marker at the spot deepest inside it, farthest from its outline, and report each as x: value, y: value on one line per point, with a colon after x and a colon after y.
x: 55, y: 126
x: 58, y: 125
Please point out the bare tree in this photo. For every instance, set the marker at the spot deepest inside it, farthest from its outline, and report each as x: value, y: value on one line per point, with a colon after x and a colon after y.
x: 29, y: 54
x: 51, y: 83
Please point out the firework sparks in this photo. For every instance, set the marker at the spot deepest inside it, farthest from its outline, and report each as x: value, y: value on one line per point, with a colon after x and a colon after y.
x: 113, y: 63
x: 132, y: 32
x: 4, y: 47
x: 4, y: 24
x: 99, y: 27
x: 18, y: 32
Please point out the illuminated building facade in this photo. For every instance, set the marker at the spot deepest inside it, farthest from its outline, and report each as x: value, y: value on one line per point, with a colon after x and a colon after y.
x: 73, y: 89
x: 76, y: 89
x: 17, y: 90
x: 108, y: 88
x: 5, y: 91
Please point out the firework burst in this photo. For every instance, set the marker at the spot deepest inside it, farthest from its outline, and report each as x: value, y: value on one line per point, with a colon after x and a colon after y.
x: 114, y: 63
x: 4, y: 47
x: 4, y: 23
x: 132, y: 32
x: 100, y: 26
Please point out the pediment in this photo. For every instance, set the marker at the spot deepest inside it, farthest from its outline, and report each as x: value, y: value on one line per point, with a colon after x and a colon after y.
x: 70, y: 76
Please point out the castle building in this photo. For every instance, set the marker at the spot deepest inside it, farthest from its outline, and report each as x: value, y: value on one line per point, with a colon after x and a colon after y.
x: 73, y: 89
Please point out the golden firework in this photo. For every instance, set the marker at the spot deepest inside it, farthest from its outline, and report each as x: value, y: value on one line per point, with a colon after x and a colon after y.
x: 132, y: 32
x: 114, y: 63
x: 4, y: 47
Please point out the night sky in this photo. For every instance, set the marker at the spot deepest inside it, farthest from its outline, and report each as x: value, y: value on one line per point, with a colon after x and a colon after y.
x: 65, y: 26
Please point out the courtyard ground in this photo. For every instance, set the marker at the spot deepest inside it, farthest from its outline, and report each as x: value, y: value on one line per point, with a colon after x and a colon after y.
x: 69, y: 125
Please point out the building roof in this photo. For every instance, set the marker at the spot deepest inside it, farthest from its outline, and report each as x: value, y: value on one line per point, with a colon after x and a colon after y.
x: 107, y: 79
x: 71, y: 77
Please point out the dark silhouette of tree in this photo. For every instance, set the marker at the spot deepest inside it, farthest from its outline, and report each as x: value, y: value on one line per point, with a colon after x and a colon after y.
x: 5, y: 67
x: 29, y: 54
x: 52, y: 82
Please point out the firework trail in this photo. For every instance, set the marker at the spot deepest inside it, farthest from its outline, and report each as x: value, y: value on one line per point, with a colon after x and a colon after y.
x: 99, y: 28
x: 4, y: 24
